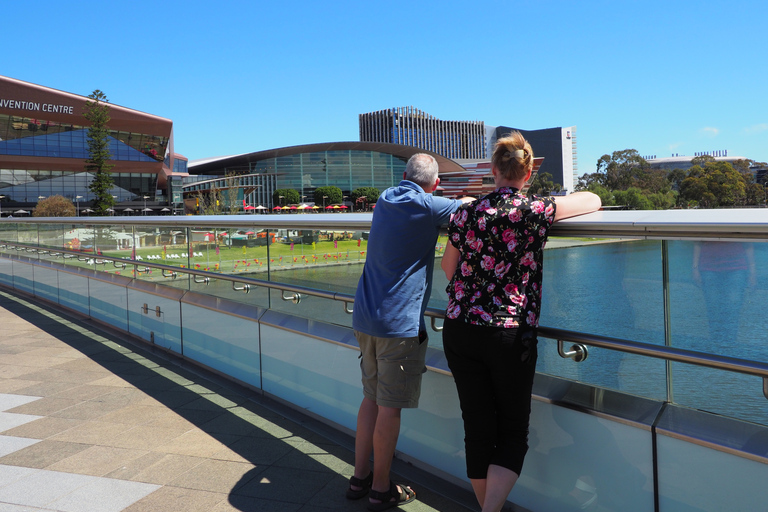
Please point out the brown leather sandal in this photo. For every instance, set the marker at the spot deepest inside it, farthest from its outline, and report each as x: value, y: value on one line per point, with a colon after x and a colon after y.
x: 391, y: 498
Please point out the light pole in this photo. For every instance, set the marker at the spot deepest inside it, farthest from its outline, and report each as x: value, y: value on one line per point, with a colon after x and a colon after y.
x: 144, y: 211
x: 77, y: 200
x: 1, y: 206
x: 281, y: 203
x: 324, y: 198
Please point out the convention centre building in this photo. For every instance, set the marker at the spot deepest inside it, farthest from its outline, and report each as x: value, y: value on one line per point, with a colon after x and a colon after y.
x: 43, y: 147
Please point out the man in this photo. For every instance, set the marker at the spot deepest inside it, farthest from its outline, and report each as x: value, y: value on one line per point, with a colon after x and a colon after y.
x: 388, y: 320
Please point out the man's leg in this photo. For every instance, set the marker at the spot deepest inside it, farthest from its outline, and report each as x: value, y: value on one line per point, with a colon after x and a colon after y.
x: 384, y: 443
x: 366, y: 424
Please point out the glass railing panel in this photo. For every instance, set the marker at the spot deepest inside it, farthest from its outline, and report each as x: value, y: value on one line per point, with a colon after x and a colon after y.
x: 718, y: 292
x: 27, y: 233
x: 9, y: 232
x: 326, y: 260
x: 610, y: 288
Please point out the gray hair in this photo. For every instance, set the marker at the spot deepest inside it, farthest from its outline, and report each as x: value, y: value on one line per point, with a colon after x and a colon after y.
x: 422, y: 170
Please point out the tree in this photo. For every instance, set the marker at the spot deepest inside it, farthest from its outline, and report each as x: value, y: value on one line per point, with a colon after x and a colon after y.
x: 633, y: 198
x: 55, y: 206
x: 209, y: 202
x: 543, y: 185
x: 232, y: 193
x: 289, y: 196
x: 328, y: 195
x: 621, y: 168
x: 97, y: 163
x: 363, y: 196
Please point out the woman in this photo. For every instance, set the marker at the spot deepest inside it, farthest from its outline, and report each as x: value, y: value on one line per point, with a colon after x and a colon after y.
x: 494, y: 266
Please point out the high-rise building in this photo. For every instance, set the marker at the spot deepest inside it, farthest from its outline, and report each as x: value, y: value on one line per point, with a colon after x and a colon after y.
x: 412, y: 127
x: 556, y: 145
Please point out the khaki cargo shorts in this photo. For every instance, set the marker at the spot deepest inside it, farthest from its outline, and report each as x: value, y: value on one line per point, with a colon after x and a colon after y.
x: 392, y: 369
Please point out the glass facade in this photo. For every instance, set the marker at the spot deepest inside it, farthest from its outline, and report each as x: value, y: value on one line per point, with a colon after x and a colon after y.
x: 24, y: 136
x: 30, y: 185
x: 346, y: 169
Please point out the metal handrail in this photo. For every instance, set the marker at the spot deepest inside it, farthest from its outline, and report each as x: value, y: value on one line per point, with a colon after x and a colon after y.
x: 721, y: 224
x: 679, y: 355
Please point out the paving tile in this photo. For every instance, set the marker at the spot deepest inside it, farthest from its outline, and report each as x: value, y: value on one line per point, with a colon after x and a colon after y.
x: 237, y: 503
x: 91, y: 432
x: 146, y: 437
x: 9, y: 401
x: 41, y: 488
x: 96, y: 460
x: 133, y: 414
x: 13, y: 385
x: 42, y: 454
x: 8, y: 371
x: 84, y: 392
x: 260, y: 451
x: 10, y: 444
x: 197, y: 443
x: 11, y: 474
x: 284, y: 483
x: 43, y: 428
x: 176, y: 499
x: 45, y: 406
x: 44, y: 388
x: 156, y: 468
x: 103, y: 495
x: 217, y: 476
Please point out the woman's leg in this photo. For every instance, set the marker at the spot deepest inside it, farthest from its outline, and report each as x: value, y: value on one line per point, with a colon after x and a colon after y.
x: 463, y: 346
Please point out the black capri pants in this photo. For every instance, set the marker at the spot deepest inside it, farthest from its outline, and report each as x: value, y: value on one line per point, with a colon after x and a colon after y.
x: 493, y: 368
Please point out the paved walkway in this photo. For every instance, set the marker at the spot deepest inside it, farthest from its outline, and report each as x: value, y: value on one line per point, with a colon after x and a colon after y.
x: 92, y: 422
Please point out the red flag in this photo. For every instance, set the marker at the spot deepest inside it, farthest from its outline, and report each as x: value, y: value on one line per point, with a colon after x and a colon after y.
x: 335, y: 244
x: 291, y: 245
x: 217, y: 250
x: 133, y: 253
x: 358, y: 241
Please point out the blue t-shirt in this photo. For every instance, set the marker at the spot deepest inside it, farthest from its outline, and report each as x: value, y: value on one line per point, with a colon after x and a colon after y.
x: 397, y: 278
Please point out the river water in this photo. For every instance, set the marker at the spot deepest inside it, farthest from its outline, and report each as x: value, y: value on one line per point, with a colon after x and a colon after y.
x: 616, y: 289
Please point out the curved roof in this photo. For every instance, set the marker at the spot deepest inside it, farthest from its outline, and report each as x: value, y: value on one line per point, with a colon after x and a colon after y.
x: 205, y: 166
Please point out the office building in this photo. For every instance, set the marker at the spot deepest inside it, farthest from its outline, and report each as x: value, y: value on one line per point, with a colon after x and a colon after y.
x: 412, y: 127
x: 557, y: 146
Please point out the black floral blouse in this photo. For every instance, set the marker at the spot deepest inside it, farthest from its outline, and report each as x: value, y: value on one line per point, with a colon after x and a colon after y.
x: 501, y: 239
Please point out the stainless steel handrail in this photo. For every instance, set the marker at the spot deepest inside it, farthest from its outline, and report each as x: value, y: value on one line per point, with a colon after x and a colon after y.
x: 733, y: 224
x: 732, y: 364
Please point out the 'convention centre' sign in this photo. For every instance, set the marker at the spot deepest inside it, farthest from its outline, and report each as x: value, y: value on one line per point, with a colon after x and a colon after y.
x: 37, y: 107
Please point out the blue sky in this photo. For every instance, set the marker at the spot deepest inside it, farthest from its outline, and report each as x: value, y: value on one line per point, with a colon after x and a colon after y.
x: 661, y: 77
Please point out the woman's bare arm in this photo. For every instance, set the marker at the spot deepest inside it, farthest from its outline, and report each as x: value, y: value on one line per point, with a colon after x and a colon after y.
x: 575, y: 204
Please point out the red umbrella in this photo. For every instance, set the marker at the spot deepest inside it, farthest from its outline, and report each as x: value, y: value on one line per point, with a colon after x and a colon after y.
x: 277, y: 208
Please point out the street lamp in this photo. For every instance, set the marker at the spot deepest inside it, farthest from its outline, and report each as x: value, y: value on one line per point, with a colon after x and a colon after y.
x: 77, y: 200
x: 144, y: 211
x: 281, y: 202
x: 1, y: 206
x: 324, y: 198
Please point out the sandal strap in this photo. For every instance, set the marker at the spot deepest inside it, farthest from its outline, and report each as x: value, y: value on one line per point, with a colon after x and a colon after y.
x: 365, y: 482
x: 384, y: 496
